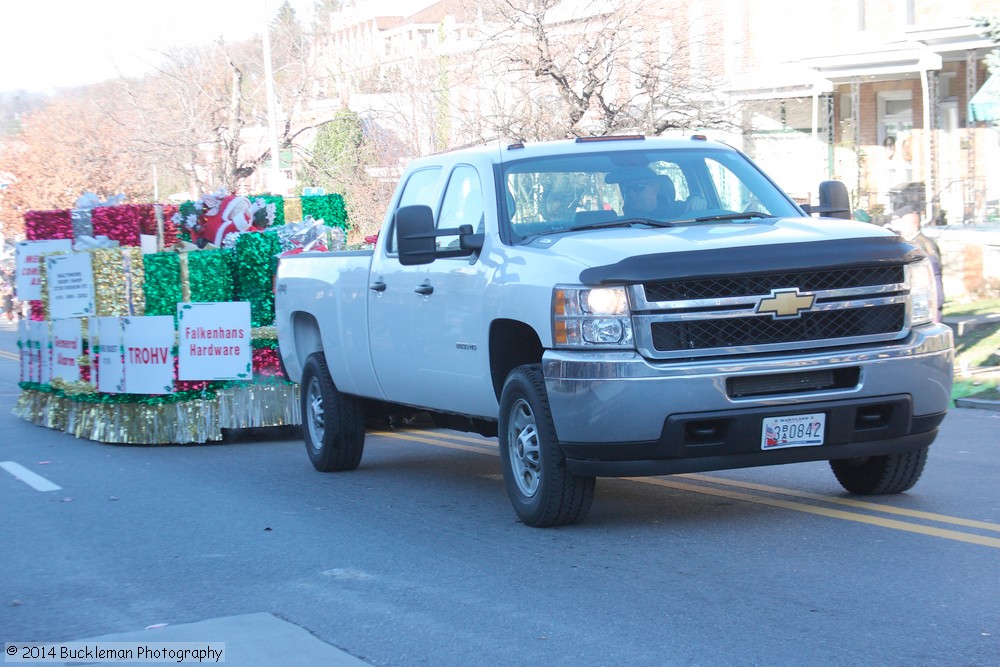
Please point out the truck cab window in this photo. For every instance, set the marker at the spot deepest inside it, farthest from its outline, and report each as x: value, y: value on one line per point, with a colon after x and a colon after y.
x: 420, y: 188
x: 462, y: 204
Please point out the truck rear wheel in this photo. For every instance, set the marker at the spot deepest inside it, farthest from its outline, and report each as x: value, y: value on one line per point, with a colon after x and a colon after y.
x: 876, y: 475
x: 542, y: 491
x: 333, y: 423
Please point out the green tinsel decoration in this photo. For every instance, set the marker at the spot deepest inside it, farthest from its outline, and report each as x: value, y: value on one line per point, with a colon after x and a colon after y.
x: 279, y: 206
x: 256, y: 260
x: 331, y: 209
x: 163, y: 283
x: 210, y: 276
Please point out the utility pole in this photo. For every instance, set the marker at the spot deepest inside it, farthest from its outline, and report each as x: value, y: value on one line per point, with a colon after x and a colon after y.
x: 276, y: 183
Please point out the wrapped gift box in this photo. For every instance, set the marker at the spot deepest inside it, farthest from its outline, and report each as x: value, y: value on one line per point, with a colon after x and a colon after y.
x: 42, y: 225
x: 256, y: 260
x: 328, y: 208
x: 176, y: 277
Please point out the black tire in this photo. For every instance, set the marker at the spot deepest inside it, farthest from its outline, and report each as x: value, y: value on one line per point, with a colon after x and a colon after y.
x: 541, y: 490
x: 876, y: 475
x: 333, y: 423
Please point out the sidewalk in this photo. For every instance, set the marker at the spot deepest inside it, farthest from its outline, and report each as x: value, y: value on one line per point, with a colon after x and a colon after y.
x: 963, y: 324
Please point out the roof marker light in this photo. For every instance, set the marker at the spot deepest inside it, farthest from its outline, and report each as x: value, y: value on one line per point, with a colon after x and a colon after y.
x: 610, y: 137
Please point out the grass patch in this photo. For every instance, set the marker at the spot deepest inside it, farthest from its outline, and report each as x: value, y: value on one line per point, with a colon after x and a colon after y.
x: 986, y: 307
x: 982, y: 389
x: 978, y: 347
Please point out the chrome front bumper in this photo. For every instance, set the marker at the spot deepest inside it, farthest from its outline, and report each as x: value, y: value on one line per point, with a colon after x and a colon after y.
x: 609, y: 397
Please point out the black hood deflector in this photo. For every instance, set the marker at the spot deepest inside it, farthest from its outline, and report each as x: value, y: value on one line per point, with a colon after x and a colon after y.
x: 734, y: 261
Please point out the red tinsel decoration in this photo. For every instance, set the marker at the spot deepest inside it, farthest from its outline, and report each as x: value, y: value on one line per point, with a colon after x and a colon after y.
x: 44, y: 225
x: 37, y: 311
x: 170, y: 231
x: 265, y: 362
x: 147, y: 219
x: 187, y: 385
x: 147, y: 222
x: 120, y: 223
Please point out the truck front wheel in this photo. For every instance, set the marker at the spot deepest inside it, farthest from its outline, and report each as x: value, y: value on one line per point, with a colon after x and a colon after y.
x: 333, y: 423
x: 542, y: 491
x: 877, y: 475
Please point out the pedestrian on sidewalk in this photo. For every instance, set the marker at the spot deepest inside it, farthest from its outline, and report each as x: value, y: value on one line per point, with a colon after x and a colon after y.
x: 906, y: 223
x: 8, y: 305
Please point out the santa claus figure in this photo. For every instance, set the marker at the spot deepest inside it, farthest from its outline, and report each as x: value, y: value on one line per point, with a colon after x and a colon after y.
x: 230, y: 214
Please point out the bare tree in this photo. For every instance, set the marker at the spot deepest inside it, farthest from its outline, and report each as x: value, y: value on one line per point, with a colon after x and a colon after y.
x: 603, y: 67
x: 196, y: 108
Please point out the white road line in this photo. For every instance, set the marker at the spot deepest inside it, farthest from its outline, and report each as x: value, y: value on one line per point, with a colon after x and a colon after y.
x: 37, y: 482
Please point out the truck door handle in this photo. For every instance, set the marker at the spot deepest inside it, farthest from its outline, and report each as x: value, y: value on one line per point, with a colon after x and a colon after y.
x: 425, y: 289
x: 377, y: 286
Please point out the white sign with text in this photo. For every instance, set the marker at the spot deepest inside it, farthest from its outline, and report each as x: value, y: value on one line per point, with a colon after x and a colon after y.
x: 40, y: 354
x: 110, y: 360
x: 29, y: 279
x: 67, y: 346
x: 149, y: 361
x: 213, y: 341
x: 71, y: 285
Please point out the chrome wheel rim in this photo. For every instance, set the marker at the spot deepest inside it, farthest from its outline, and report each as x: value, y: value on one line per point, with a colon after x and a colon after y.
x: 523, y: 446
x: 314, y: 413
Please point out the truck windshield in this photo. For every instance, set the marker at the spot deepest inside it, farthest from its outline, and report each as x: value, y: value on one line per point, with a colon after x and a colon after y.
x: 662, y: 188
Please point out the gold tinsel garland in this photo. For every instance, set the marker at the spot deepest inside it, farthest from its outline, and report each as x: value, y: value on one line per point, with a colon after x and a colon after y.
x: 193, y: 421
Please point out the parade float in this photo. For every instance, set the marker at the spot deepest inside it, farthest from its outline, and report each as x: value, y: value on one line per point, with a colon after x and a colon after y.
x: 153, y: 324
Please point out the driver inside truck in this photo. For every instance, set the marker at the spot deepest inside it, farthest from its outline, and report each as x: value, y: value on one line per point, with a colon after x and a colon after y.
x: 646, y: 194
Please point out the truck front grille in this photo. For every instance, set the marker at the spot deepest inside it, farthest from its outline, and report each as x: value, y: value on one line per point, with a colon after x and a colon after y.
x: 752, y: 331
x: 716, y: 288
x: 739, y: 315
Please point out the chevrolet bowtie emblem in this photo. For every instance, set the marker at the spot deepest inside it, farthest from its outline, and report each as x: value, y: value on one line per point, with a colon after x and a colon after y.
x: 785, y: 303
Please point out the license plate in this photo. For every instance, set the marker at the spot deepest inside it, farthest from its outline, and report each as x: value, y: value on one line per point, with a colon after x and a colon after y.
x: 793, y: 431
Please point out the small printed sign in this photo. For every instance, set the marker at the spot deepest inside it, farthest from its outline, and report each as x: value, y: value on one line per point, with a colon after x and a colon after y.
x: 29, y: 280
x: 71, y: 285
x: 110, y: 360
x: 147, y: 344
x: 67, y: 346
x: 213, y: 341
x: 25, y: 348
x: 40, y: 352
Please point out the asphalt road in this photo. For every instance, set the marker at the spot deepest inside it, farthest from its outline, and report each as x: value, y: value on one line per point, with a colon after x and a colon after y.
x: 416, y: 558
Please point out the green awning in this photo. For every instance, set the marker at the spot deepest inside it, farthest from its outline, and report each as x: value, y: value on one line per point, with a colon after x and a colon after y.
x: 985, y: 104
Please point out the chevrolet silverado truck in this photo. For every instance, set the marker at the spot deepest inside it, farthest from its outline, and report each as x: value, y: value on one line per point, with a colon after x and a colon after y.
x: 620, y: 306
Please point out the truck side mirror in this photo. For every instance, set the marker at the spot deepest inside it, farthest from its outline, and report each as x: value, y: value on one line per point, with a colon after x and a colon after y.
x: 834, y: 202
x: 415, y: 234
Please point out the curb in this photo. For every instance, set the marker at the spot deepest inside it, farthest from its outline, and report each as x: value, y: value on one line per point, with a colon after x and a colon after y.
x: 962, y: 324
x: 977, y: 403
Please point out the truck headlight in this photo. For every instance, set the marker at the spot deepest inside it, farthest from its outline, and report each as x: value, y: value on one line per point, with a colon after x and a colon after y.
x: 923, y: 293
x: 591, y: 317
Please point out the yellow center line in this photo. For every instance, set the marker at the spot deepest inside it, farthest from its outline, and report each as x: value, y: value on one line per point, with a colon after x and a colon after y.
x: 436, y: 439
x: 4, y: 354
x: 860, y: 504
x: 824, y: 511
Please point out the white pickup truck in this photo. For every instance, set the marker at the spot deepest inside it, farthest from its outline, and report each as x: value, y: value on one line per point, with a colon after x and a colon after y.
x: 620, y: 306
